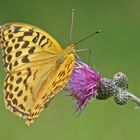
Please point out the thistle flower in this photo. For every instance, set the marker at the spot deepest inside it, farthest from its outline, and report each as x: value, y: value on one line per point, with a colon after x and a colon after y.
x: 83, y: 84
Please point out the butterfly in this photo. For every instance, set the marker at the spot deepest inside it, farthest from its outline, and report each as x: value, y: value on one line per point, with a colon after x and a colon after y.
x: 36, y: 66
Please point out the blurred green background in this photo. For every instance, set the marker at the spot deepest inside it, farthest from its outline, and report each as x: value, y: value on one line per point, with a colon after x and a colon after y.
x: 117, y: 48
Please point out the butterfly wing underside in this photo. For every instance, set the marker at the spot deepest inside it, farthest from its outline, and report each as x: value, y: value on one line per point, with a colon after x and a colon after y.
x: 33, y: 76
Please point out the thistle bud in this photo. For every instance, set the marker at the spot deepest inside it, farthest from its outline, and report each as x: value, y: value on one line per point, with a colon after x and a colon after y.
x: 121, y: 80
x: 122, y: 98
x: 107, y: 88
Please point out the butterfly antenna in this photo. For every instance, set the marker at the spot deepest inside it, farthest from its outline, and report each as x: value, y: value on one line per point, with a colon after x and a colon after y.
x: 72, y: 19
x: 98, y: 31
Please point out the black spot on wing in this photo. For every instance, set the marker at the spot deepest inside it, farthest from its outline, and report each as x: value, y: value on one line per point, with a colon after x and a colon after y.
x: 42, y: 38
x: 9, y: 49
x: 14, y: 101
x: 11, y: 78
x: 28, y: 75
x: 16, y: 89
x: 15, y: 63
x: 10, y: 66
x: 31, y: 50
x: 10, y: 87
x: 10, y: 36
x: 25, y: 45
x: 20, y: 38
x: 28, y: 33
x: 9, y: 57
x: 25, y: 59
x: 16, y: 46
x: 11, y: 95
x: 46, y: 43
x: 35, y: 39
x: 17, y: 29
x: 18, y: 53
x: 18, y: 80
x: 20, y: 93
x: 6, y: 43
x: 13, y: 40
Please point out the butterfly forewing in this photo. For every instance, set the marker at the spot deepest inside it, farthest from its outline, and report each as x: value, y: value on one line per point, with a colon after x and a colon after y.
x: 23, y: 45
x: 33, y: 75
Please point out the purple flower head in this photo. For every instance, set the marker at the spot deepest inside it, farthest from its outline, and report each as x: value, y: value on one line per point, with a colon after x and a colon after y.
x: 83, y: 84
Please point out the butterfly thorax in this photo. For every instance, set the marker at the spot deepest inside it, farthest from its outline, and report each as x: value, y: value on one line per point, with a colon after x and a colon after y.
x: 70, y: 50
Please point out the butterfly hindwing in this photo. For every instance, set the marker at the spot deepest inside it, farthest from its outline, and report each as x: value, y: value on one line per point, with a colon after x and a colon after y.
x: 61, y: 77
x: 22, y: 87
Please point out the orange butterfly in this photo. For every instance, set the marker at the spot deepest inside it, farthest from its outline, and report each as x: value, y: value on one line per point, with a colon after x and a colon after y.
x: 37, y: 68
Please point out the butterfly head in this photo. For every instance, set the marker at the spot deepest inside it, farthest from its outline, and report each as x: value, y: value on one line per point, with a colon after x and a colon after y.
x: 70, y: 49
